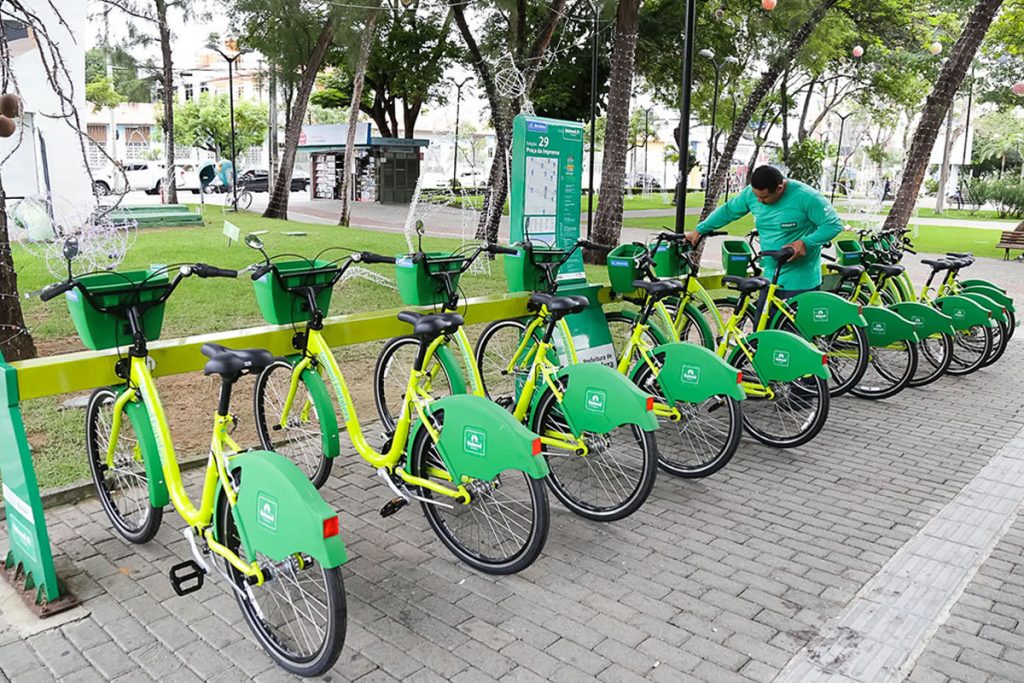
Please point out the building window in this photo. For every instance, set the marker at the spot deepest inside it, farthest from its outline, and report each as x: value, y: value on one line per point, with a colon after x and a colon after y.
x: 204, y: 88
x: 188, y: 92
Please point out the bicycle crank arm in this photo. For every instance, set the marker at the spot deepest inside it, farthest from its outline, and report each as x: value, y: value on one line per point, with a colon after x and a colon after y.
x: 406, y: 494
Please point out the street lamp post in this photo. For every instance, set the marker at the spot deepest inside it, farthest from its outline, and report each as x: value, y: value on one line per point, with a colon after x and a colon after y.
x: 458, y: 102
x: 839, y: 151
x: 686, y: 83
x: 647, y: 134
x: 231, y: 59
x: 710, y: 54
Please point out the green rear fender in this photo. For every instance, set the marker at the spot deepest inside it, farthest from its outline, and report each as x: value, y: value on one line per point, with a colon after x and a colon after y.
x: 992, y: 292
x: 598, y: 399
x: 480, y: 440
x: 138, y: 416
x: 280, y: 513
x: 997, y: 311
x: 325, y: 412
x: 886, y: 327
x: 926, y: 320
x: 964, y: 312
x: 821, y: 313
x: 707, y: 334
x: 783, y: 356
x: 456, y: 375
x: 692, y: 374
x: 968, y: 284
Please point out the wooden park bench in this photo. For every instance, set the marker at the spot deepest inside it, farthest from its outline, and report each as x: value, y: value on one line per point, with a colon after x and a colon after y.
x: 1011, y: 239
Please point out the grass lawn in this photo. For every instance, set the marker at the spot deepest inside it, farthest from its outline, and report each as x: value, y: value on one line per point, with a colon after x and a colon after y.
x: 630, y: 203
x: 981, y: 215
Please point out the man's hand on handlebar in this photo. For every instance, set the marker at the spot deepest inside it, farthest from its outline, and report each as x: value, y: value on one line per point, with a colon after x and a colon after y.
x: 693, y: 237
x: 799, y: 249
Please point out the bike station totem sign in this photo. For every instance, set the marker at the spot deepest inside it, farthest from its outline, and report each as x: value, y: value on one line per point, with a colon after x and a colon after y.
x: 547, y: 183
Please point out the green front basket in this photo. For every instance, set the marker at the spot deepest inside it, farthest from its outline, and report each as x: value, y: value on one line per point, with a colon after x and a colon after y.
x: 848, y: 252
x: 417, y: 281
x: 669, y: 260
x: 280, y: 307
x: 106, y: 330
x: 522, y: 272
x: 736, y: 257
x: 624, y: 267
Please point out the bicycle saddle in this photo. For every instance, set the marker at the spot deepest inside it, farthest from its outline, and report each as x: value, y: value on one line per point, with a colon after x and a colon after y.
x: 960, y: 254
x: 746, y: 285
x: 233, y: 363
x: 659, y: 289
x: 431, y: 325
x: 936, y: 264
x: 891, y: 270
x: 559, y: 306
x: 846, y: 272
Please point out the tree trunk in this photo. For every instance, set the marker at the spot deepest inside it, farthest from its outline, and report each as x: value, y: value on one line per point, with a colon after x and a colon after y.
x: 277, y: 206
x: 935, y: 108
x: 802, y: 130
x: 347, y: 177
x: 764, y: 86
x: 785, y: 116
x: 170, y: 189
x: 608, y: 222
x: 15, y: 339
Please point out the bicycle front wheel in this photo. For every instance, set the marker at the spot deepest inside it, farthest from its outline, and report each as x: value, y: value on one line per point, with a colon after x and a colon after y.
x: 611, y: 480
x: 704, y: 438
x: 300, y: 438
x: 788, y: 414
x: 494, y: 350
x: 299, y: 614
x: 502, y: 529
x: 391, y: 378
x: 123, y: 489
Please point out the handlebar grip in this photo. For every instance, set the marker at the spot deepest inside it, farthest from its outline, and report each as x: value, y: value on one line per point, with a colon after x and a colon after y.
x: 594, y: 245
x: 716, y: 233
x: 261, y: 271
x: 204, y: 270
x: 498, y: 249
x: 908, y: 249
x: 56, y: 289
x: 370, y: 257
x: 828, y: 258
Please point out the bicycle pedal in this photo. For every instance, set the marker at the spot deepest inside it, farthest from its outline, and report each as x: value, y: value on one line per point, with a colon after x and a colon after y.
x: 187, y: 577
x: 393, y: 506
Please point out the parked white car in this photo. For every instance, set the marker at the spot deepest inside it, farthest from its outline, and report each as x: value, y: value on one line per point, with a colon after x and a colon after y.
x: 140, y: 175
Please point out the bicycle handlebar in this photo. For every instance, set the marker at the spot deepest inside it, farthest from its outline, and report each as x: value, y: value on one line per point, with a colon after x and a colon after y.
x: 203, y: 270
x: 57, y: 288
x: 370, y: 257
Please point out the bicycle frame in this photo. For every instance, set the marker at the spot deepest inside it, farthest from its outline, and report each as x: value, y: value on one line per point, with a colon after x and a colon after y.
x: 142, y: 387
x: 318, y: 356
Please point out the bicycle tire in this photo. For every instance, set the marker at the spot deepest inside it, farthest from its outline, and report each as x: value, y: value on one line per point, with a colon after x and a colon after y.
x: 390, y: 380
x: 300, y: 440
x: 883, y: 379
x: 1000, y: 338
x: 447, y: 523
x: 568, y: 480
x: 935, y: 353
x: 274, y: 640
x: 141, y: 525
x: 688, y: 434
x: 621, y: 327
x: 494, y: 348
x: 811, y: 391
x: 840, y: 381
x: 970, y: 349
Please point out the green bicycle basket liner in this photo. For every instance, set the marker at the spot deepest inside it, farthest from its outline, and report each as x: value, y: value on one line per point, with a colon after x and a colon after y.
x: 736, y: 257
x: 280, y: 307
x: 624, y: 267
x: 418, y: 284
x: 524, y: 275
x: 100, y: 330
x: 848, y: 252
x: 669, y: 260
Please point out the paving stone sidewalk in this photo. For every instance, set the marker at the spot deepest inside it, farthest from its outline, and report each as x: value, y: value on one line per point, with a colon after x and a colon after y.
x: 722, y: 579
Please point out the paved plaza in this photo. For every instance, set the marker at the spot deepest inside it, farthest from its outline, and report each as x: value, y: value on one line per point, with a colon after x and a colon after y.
x: 889, y: 548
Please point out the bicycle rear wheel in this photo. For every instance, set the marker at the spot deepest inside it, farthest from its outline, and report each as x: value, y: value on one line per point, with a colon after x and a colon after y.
x: 299, y: 614
x: 612, y: 480
x: 503, y: 528
x: 123, y: 489
x: 971, y: 347
x: 890, y: 370
x: 391, y: 378
x: 300, y: 439
x: 1000, y: 338
x: 848, y: 353
x: 704, y: 440
x: 935, y: 353
x: 793, y: 414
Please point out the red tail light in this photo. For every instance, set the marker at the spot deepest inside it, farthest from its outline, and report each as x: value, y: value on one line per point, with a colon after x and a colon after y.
x: 860, y: 309
x: 650, y: 403
x: 537, y: 446
x: 332, y: 527
x: 824, y: 359
x: 739, y: 377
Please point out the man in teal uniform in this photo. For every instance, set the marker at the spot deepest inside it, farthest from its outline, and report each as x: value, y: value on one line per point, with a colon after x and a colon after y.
x: 787, y: 213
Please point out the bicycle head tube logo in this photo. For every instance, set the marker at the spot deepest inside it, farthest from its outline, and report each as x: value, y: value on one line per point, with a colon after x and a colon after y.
x: 266, y: 511
x: 781, y: 358
x: 821, y: 315
x: 690, y: 374
x: 597, y: 400
x: 474, y: 441
x: 878, y: 327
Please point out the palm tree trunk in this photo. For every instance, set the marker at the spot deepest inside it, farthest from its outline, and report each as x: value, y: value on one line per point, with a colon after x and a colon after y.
x: 170, y: 189
x: 935, y: 109
x: 15, y: 340
x: 277, y: 206
x: 764, y: 86
x: 608, y: 222
x: 365, y: 45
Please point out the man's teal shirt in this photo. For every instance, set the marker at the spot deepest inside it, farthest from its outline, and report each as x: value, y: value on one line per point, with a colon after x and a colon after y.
x: 802, y: 213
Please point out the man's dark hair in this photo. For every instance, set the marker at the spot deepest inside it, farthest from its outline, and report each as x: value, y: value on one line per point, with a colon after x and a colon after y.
x: 766, y: 178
